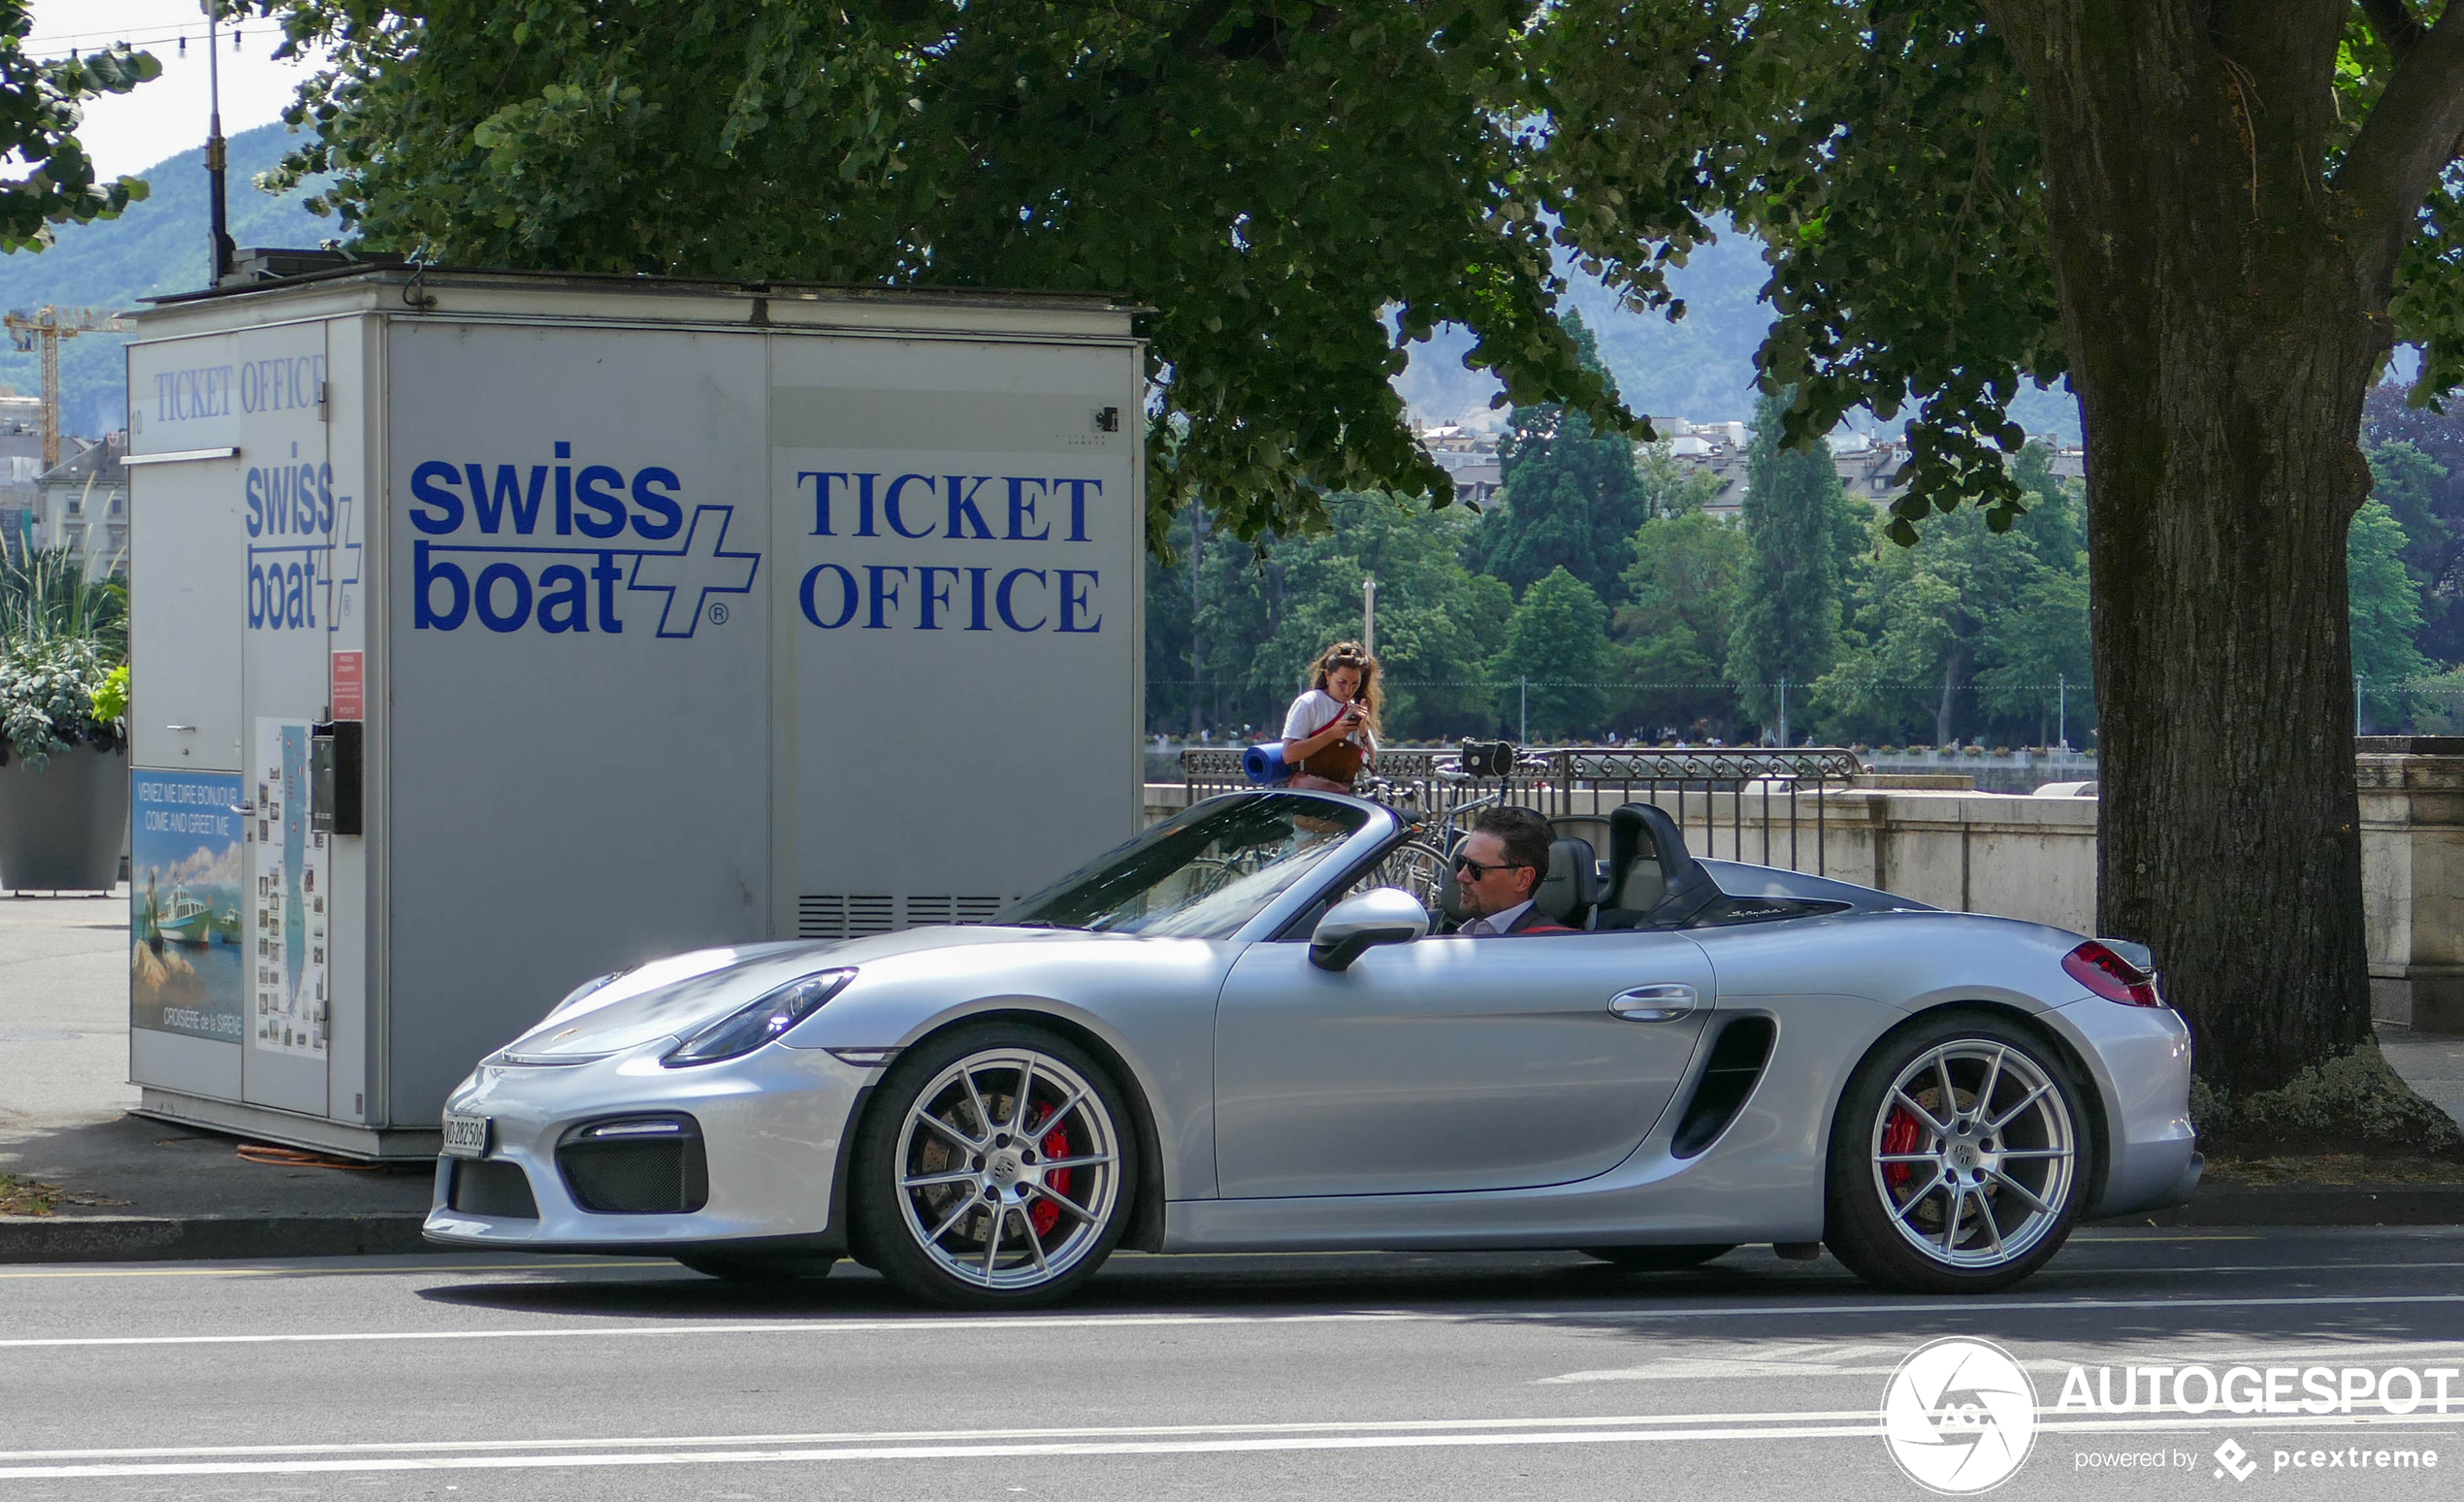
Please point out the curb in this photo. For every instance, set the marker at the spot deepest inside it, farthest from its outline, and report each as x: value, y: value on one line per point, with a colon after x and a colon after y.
x: 132, y: 1238
x: 2440, y: 1205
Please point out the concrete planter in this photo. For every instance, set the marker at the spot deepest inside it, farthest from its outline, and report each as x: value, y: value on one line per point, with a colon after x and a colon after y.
x: 62, y: 829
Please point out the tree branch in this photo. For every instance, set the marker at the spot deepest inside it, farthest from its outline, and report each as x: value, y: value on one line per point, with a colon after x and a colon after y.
x: 2398, y: 28
x: 2410, y: 135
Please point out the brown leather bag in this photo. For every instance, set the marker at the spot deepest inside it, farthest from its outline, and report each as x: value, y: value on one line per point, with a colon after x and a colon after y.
x: 1340, y: 762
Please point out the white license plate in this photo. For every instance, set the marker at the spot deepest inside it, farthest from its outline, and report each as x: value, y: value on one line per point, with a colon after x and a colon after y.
x: 465, y: 1136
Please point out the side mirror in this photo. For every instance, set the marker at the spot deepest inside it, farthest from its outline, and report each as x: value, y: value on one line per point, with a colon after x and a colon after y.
x: 1381, y: 915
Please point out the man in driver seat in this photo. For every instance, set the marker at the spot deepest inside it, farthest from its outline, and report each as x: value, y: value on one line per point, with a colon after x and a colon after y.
x: 1497, y: 869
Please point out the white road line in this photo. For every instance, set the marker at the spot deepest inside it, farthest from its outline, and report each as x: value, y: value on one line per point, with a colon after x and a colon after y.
x: 942, y: 1436
x: 928, y: 1325
x: 1789, y: 1426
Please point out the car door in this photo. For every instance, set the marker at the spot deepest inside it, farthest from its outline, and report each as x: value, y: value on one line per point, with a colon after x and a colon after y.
x: 1450, y: 1063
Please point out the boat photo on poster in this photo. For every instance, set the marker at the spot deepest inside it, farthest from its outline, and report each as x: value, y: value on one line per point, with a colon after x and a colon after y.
x: 183, y: 896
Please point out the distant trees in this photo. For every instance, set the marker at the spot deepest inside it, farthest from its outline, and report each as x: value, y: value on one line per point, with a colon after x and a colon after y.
x: 1572, y: 494
x: 1551, y: 675
x: 1969, y: 635
x: 1802, y: 534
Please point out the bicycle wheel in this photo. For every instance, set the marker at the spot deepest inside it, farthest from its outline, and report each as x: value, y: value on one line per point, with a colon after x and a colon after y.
x: 1415, y: 868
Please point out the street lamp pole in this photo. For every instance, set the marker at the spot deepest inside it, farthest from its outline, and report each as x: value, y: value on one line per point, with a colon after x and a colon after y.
x: 216, y: 153
x: 1369, y: 614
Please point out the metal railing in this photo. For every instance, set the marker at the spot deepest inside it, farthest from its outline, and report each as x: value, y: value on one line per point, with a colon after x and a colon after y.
x: 1761, y: 805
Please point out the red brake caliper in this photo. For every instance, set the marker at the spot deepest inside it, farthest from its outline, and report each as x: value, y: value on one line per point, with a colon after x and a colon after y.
x: 1901, y: 1134
x: 1044, y: 1215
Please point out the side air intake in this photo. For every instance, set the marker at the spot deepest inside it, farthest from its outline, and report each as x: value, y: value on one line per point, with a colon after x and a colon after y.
x: 1738, y: 1057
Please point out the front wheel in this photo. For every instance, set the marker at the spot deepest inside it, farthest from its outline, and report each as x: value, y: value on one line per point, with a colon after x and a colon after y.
x: 994, y: 1169
x: 1957, y: 1161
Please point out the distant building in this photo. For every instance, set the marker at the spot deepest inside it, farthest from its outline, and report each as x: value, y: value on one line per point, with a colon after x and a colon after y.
x: 21, y: 463
x: 82, y: 505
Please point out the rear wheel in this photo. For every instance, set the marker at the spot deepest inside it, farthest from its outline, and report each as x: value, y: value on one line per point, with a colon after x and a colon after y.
x: 994, y: 1169
x: 1658, y: 1259
x: 1958, y: 1164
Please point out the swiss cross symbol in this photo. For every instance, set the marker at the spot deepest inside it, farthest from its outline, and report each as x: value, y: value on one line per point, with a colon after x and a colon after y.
x: 694, y: 573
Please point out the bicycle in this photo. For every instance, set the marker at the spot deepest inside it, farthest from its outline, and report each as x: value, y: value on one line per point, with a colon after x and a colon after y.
x: 1418, y: 864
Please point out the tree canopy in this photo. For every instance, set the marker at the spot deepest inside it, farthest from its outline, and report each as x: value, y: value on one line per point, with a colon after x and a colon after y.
x: 41, y: 102
x: 1293, y: 190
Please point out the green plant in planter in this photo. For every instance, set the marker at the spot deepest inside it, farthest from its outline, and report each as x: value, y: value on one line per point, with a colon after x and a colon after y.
x: 52, y: 695
x: 63, y: 659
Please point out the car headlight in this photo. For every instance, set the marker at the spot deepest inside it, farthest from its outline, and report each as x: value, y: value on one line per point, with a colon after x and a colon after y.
x: 748, y: 1028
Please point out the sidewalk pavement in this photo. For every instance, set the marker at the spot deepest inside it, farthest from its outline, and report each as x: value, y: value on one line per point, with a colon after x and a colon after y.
x: 134, y: 1188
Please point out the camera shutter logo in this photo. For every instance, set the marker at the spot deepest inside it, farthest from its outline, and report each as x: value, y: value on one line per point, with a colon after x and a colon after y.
x: 1959, y: 1416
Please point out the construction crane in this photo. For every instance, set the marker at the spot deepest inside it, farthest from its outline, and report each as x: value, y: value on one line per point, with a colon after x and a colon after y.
x: 49, y: 326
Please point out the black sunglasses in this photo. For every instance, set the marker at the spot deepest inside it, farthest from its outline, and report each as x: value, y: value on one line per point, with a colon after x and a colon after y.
x: 1480, y: 871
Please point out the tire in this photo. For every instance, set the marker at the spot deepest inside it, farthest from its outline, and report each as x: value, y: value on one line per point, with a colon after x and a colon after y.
x: 760, y: 1268
x: 956, y: 1206
x: 1636, y: 1260
x: 1967, y: 1202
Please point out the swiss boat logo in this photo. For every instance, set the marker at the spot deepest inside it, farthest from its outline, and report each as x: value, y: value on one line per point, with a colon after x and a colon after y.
x: 548, y: 546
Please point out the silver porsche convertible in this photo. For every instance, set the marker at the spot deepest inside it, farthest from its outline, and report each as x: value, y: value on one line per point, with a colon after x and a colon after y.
x: 1227, y: 1035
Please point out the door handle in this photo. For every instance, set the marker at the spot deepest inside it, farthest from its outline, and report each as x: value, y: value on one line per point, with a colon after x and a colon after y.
x: 1653, y: 1003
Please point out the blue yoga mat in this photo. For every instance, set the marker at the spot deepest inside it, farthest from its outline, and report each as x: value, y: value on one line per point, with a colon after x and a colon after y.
x: 1264, y: 764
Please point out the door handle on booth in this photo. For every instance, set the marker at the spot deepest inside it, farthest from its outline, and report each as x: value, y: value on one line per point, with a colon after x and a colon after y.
x: 1653, y: 1003
x: 184, y: 729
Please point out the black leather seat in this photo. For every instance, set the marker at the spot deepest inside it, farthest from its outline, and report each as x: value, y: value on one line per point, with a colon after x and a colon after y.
x: 1571, y: 887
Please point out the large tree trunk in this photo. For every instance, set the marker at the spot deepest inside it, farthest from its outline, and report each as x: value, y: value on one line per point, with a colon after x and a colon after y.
x: 2224, y: 315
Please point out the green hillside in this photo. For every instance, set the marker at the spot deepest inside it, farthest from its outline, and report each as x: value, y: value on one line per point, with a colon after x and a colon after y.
x: 1700, y: 366
x: 158, y: 247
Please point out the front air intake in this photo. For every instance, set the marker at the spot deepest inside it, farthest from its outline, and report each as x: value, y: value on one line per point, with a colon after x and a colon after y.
x: 636, y: 1165
x: 1737, y: 1061
x: 494, y: 1188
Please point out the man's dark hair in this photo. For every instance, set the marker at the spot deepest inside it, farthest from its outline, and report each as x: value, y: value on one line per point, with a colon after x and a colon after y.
x: 1526, y: 835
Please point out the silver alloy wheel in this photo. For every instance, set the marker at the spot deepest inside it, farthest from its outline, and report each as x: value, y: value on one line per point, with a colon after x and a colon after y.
x: 1974, y: 1153
x: 1009, y: 1167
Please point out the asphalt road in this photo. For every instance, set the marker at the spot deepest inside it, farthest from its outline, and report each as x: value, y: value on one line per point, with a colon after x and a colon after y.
x: 1540, y: 1376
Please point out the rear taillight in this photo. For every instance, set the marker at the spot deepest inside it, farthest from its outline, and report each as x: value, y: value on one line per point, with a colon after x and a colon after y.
x: 2110, y: 976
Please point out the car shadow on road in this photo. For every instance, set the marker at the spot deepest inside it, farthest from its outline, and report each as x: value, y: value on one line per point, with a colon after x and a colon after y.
x: 1244, y: 1284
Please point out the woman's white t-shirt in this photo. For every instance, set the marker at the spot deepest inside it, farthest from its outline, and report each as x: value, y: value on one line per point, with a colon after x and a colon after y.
x: 1313, y: 712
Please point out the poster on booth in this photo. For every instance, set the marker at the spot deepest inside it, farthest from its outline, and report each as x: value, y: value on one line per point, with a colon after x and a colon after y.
x: 185, y: 973
x: 292, y: 869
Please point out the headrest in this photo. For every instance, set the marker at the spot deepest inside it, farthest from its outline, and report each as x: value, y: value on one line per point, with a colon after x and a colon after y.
x: 1572, y: 885
x: 1642, y: 833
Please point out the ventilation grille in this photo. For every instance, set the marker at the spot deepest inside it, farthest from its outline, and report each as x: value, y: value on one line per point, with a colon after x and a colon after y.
x: 829, y: 915
x: 923, y: 910
x: 844, y: 915
x: 1737, y: 1062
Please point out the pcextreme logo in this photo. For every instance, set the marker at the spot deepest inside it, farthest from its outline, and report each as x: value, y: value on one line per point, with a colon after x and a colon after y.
x: 546, y: 547
x: 1960, y: 1416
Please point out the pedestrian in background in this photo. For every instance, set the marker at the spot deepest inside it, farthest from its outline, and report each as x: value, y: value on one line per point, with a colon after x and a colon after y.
x: 1330, y: 734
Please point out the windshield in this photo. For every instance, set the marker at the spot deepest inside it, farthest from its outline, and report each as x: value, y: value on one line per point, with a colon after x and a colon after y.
x: 1201, y: 875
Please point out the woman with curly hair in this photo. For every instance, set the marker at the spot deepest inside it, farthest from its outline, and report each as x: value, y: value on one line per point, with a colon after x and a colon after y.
x: 1331, y: 731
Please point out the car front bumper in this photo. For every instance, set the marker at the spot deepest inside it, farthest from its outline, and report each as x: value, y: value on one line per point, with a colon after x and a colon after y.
x: 773, y: 1125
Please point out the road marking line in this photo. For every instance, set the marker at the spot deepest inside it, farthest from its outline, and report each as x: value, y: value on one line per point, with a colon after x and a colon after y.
x: 942, y: 1436
x: 928, y: 1325
x: 1460, y: 1438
